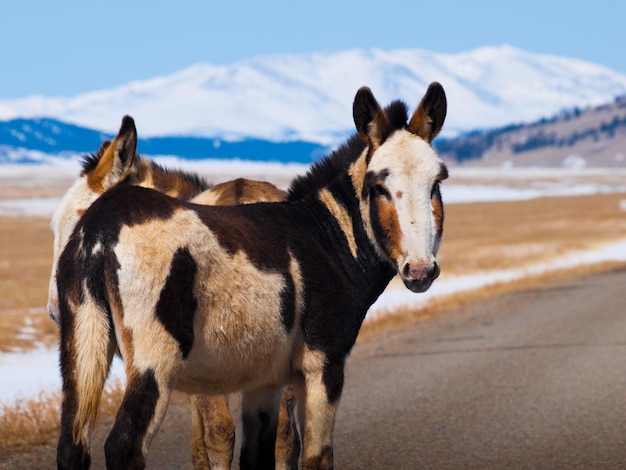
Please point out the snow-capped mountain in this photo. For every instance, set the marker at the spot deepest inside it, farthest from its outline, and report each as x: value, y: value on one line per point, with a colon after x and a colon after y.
x: 308, y: 97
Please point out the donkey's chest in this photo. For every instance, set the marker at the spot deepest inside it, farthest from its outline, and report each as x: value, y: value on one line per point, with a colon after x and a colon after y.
x: 240, y: 331
x: 222, y: 363
x: 239, y: 342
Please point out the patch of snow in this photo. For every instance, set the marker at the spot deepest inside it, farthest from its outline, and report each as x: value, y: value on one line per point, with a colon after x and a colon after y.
x: 37, y: 206
x: 446, y: 285
x: 574, y: 161
x: 496, y: 184
x: 26, y: 374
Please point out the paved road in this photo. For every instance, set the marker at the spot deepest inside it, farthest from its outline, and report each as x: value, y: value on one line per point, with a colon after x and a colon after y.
x: 531, y: 380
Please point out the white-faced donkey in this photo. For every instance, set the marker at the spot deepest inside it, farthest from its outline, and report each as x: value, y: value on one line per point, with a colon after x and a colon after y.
x: 210, y: 300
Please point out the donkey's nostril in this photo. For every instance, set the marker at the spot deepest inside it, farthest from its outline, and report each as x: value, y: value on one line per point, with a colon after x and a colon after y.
x: 405, y: 271
x: 435, y: 271
x: 415, y: 272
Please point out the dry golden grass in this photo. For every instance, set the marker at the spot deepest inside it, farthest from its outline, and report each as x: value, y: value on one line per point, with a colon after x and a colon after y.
x: 30, y: 421
x: 501, y: 235
x: 35, y: 421
x: 25, y: 264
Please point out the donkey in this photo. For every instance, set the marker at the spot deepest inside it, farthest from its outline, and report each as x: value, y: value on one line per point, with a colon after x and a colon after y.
x: 211, y: 299
x: 212, y: 424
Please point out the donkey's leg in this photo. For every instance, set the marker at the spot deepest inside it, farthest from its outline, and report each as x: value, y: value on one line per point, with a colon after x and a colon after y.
x: 259, y: 413
x: 199, y: 456
x: 323, y: 383
x: 138, y: 419
x: 87, y: 347
x: 213, y: 439
x: 287, y: 436
x: 152, y: 360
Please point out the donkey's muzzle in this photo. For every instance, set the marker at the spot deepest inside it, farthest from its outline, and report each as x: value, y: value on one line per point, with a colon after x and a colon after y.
x: 419, y: 277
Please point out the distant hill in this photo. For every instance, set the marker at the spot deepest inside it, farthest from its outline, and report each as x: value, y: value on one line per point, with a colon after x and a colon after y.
x: 34, y: 140
x: 592, y: 136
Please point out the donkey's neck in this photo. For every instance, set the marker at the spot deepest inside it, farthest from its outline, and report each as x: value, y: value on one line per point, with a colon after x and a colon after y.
x: 367, y: 270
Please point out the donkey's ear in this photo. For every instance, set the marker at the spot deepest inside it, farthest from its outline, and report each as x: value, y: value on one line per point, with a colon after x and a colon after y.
x: 370, y: 119
x: 428, y: 118
x: 118, y: 160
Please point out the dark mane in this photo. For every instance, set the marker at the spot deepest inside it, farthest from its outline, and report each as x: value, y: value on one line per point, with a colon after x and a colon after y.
x: 327, y: 169
x: 397, y: 113
x: 194, y: 183
x: 338, y: 161
x: 89, y: 162
x: 164, y: 178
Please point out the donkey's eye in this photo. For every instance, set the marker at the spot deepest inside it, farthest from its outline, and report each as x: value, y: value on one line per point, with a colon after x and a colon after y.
x: 435, y: 189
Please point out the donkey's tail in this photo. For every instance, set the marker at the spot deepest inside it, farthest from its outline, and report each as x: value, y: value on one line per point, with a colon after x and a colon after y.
x: 87, y: 347
x: 94, y: 348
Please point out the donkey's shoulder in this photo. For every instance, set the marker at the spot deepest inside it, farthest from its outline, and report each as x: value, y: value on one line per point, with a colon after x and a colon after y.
x: 126, y: 205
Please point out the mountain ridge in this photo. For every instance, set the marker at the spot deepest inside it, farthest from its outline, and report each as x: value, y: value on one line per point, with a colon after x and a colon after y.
x: 308, y: 97
x: 592, y: 136
x: 574, y: 138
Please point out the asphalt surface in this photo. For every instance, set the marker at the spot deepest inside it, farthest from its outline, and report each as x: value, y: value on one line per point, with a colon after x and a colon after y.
x: 529, y: 380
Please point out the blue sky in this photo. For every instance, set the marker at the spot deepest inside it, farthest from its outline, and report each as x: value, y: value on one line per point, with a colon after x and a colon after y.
x: 68, y: 47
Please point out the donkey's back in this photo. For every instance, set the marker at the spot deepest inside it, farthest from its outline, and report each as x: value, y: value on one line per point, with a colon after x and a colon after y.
x: 212, y: 282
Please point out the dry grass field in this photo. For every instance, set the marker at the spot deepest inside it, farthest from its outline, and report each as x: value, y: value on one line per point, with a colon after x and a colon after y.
x: 500, y: 235
x: 25, y: 264
x: 478, y: 237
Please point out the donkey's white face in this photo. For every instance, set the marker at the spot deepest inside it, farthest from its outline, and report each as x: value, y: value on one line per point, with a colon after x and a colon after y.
x: 406, y: 212
x: 400, y: 201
